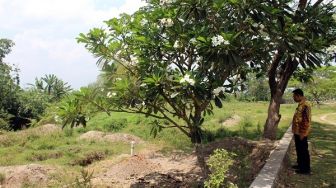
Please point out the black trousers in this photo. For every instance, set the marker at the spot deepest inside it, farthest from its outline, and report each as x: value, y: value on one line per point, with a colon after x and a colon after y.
x: 302, y: 153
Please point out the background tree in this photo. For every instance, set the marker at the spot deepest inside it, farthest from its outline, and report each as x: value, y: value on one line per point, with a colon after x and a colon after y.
x: 52, y: 86
x: 319, y: 85
x: 8, y: 86
x: 299, y: 34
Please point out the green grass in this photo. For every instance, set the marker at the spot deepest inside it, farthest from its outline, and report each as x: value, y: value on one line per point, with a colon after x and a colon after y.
x: 323, y: 159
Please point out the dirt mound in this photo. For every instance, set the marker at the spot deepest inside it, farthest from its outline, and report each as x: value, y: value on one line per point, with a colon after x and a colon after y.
x: 126, y: 172
x: 234, y: 120
x: 93, y: 135
x: 26, y: 175
x: 48, y: 128
x: 182, y: 170
x: 120, y: 137
x: 116, y: 137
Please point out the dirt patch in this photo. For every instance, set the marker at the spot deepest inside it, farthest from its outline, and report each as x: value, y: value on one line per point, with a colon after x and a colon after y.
x: 152, y: 171
x: 116, y: 137
x: 47, y: 129
x: 92, y: 135
x: 324, y: 118
x: 181, y: 170
x: 234, y: 120
x: 26, y: 175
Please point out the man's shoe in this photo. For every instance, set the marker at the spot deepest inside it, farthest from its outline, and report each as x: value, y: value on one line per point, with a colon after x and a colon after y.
x: 302, y: 172
x: 296, y: 167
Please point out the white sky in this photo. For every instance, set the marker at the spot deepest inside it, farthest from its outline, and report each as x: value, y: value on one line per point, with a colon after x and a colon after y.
x: 44, y: 33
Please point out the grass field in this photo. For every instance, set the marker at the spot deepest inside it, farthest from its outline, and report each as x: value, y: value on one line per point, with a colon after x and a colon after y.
x: 322, y: 147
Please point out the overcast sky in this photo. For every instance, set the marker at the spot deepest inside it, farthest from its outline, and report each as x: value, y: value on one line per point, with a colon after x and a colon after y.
x: 44, y: 33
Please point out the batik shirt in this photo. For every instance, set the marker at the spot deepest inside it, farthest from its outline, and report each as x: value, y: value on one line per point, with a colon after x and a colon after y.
x: 302, y: 119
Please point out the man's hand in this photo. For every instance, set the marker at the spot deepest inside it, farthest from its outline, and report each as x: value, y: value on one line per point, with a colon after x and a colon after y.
x: 301, y: 137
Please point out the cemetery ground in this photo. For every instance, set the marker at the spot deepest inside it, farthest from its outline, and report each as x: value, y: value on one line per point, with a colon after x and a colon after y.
x: 99, y: 155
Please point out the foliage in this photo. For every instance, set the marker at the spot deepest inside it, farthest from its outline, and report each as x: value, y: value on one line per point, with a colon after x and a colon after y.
x: 256, y: 89
x: 318, y: 85
x: 177, y: 58
x: 85, y: 181
x: 52, y: 86
x: 219, y: 163
x: 300, y: 34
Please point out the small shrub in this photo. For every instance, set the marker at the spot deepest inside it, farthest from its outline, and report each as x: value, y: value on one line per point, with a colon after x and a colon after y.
x: 116, y: 125
x: 68, y: 132
x: 219, y: 163
x: 89, y: 158
x: 4, y: 125
x: 46, y: 146
x: 42, y: 156
x: 85, y: 180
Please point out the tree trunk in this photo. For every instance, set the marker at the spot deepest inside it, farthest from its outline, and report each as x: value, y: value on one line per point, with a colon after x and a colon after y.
x: 273, y: 117
x: 195, y: 135
x: 277, y: 86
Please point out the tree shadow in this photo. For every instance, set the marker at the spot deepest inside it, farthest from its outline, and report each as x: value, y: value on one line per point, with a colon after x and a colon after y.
x: 322, y: 148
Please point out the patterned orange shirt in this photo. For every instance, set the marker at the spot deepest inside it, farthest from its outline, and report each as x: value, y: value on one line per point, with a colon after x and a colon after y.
x: 302, y: 119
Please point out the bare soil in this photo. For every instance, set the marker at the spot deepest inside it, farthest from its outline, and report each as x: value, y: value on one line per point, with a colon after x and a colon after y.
x: 115, y: 137
x: 232, y: 121
x: 24, y: 175
x: 150, y: 168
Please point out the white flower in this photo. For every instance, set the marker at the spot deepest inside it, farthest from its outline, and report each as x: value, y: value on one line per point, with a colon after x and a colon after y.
x: 143, y: 103
x: 176, y: 44
x: 118, y: 79
x: 165, y: 2
x: 331, y: 49
x: 144, y: 22
x: 167, y: 22
x: 255, y: 24
x: 109, y: 94
x: 187, y: 79
x: 261, y: 26
x: 143, y: 85
x: 218, y: 40
x: 134, y: 59
x: 254, y: 37
x: 218, y: 90
x: 334, y: 17
x: 193, y: 41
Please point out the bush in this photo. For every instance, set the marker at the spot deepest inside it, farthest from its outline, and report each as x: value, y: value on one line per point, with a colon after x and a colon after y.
x: 42, y: 156
x: 4, y: 125
x: 116, y: 125
x: 89, y: 158
x: 219, y: 163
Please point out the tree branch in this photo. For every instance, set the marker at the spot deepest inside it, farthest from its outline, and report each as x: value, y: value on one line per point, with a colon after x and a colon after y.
x: 272, y: 71
x: 317, y: 3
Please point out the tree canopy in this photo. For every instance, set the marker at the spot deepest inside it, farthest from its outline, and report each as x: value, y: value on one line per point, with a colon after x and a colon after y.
x: 181, y: 55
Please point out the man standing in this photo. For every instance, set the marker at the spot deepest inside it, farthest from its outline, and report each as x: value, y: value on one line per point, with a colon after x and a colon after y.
x: 301, y: 128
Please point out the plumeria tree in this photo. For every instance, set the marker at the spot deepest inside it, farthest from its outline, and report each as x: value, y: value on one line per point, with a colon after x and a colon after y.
x: 301, y: 34
x: 177, y: 57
